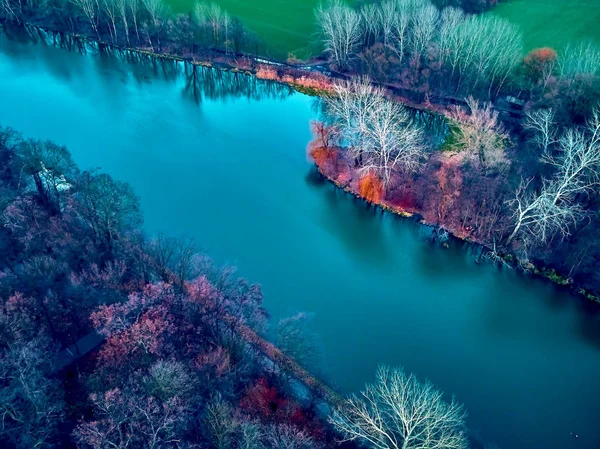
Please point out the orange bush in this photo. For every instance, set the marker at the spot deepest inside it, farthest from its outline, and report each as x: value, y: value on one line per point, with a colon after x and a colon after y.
x: 267, y: 73
x: 322, y: 155
x: 371, y: 188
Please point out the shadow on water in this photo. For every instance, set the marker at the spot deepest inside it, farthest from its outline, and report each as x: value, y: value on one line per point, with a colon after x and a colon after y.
x: 444, y: 262
x: 199, y: 83
x: 353, y: 223
x: 45, y: 51
x: 434, y: 126
x: 207, y: 83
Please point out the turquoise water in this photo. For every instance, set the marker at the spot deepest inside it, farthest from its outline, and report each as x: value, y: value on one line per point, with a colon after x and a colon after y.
x: 231, y: 170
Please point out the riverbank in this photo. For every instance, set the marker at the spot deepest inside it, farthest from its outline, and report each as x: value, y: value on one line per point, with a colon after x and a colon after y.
x: 341, y: 173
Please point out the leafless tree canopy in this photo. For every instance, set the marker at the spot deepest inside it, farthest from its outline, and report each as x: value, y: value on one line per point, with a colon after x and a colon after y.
x: 214, y: 21
x: 341, y: 30
x: 377, y: 130
x: 554, y: 208
x: 399, y: 412
x: 581, y: 59
x: 481, y: 135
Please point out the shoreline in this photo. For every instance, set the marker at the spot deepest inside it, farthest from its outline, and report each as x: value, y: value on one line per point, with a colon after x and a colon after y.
x: 546, y: 274
x: 313, y: 77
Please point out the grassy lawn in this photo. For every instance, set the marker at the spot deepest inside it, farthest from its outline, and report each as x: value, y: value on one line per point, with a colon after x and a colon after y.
x: 287, y: 26
x: 553, y: 23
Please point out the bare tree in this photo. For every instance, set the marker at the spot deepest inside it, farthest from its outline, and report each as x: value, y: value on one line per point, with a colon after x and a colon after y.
x: 378, y: 131
x: 399, y: 412
x: 220, y: 423
x: 174, y: 258
x: 581, y: 59
x: 285, y: 436
x: 108, y: 207
x: 391, y: 140
x: 481, y: 135
x: 122, y: 7
x: 157, y: 11
x: 370, y: 20
x: 505, y: 41
x: 450, y: 20
x: 167, y: 379
x: 127, y: 419
x: 31, y: 403
x: 134, y: 10
x: 424, y: 24
x: 341, y: 29
x: 541, y: 123
x: 91, y: 10
x: 386, y: 19
x: 112, y: 12
x: 482, y: 49
x: 250, y: 436
x: 538, y: 216
x: 215, y: 19
x: 400, y: 28
x: 295, y: 338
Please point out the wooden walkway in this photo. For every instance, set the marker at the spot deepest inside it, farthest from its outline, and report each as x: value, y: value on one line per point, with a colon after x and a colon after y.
x: 93, y: 340
x: 317, y: 387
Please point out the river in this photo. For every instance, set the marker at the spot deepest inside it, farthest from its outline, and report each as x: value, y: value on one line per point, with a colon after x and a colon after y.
x: 226, y: 163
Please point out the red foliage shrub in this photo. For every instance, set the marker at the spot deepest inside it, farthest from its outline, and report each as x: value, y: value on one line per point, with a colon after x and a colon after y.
x: 267, y: 73
x: 217, y: 361
x: 145, y: 336
x: 371, y: 188
x: 539, y: 63
x: 344, y: 177
x: 262, y: 400
x: 404, y: 202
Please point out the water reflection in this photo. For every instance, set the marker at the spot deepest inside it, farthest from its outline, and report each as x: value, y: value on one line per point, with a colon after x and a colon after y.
x: 208, y: 83
x: 199, y: 82
x: 357, y: 226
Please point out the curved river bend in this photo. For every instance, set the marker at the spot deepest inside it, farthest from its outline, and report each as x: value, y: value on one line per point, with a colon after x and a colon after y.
x: 222, y: 158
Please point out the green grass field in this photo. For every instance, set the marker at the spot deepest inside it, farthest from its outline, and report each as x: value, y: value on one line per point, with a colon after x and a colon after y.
x: 553, y: 23
x: 288, y: 26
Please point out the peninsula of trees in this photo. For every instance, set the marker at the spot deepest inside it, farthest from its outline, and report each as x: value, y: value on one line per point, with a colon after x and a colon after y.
x: 519, y: 167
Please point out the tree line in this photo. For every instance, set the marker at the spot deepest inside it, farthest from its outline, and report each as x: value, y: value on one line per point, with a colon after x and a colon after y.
x: 418, y: 45
x: 381, y: 38
x: 140, y: 23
